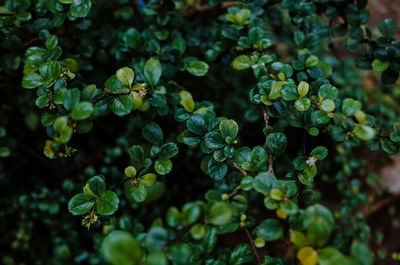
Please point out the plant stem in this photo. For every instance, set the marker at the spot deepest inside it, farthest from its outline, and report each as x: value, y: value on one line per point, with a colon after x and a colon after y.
x: 252, y: 245
x: 239, y: 168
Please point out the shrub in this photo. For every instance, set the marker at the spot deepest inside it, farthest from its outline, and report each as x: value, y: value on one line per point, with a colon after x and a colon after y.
x: 190, y: 132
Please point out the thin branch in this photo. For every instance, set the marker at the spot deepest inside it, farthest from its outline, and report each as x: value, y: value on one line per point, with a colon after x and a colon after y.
x: 31, y: 41
x: 239, y: 168
x: 371, y: 210
x: 109, y: 93
x: 266, y: 116
x: 271, y: 165
x: 335, y: 114
x: 252, y: 245
x: 234, y: 193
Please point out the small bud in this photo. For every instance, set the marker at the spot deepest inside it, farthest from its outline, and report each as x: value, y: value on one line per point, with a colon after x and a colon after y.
x: 224, y: 197
x: 243, y: 218
x: 130, y: 171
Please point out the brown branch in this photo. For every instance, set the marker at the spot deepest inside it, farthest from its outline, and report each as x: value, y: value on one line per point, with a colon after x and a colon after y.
x: 198, y: 8
x: 239, y: 168
x: 252, y: 245
x: 31, y: 41
x: 109, y: 93
x: 371, y: 210
x: 271, y: 165
x: 234, y: 193
x: 266, y: 116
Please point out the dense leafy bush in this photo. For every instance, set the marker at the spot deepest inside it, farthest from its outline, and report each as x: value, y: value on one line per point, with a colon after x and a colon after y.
x: 189, y: 132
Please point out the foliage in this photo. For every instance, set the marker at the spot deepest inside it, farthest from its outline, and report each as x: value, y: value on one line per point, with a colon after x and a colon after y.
x: 173, y: 125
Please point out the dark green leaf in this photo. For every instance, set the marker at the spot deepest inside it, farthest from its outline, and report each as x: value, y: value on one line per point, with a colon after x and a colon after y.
x: 153, y: 133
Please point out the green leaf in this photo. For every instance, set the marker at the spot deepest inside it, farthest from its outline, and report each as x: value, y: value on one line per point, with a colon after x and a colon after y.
x: 298, y: 238
x: 149, y: 180
x: 388, y: 28
x: 389, y: 147
x: 163, y: 166
x: 197, y: 68
x: 156, y: 258
x: 153, y: 133
x: 168, y: 150
x: 214, y: 140
x: 320, y: 211
x: 269, y: 230
x: 107, y: 203
x: 198, y: 231
x: 180, y: 254
x: 82, y: 110
x: 138, y: 193
x: 289, y: 207
x: 125, y: 75
x: 264, y: 182
x: 136, y: 152
x: 320, y: 152
x: 241, y: 254
x: 72, y: 97
x: 318, y: 232
x: 220, y: 214
x: 80, y: 10
x: 152, y: 71
x: 329, y: 256
x: 187, y: 100
x: 51, y: 42
x: 303, y: 88
x: 120, y: 248
x: 32, y: 80
x: 80, y: 204
x: 380, y: 66
x: 97, y: 185
x: 132, y: 38
x: 216, y: 169
x: 156, y: 238
x: 228, y: 128
x: 242, y: 155
x: 42, y: 101
x: 328, y: 92
x: 179, y: 44
x: 197, y: 125
x: 209, y: 240
x: 115, y: 85
x: 361, y: 254
x: 259, y: 157
x: 289, y: 92
x: 350, y: 106
x: 328, y: 105
x: 122, y: 105
x: 302, y: 104
x: 364, y: 132
x: 173, y: 217
x: 241, y: 62
x: 242, y: 16
x: 276, y: 90
x: 311, y: 61
x: 276, y: 144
